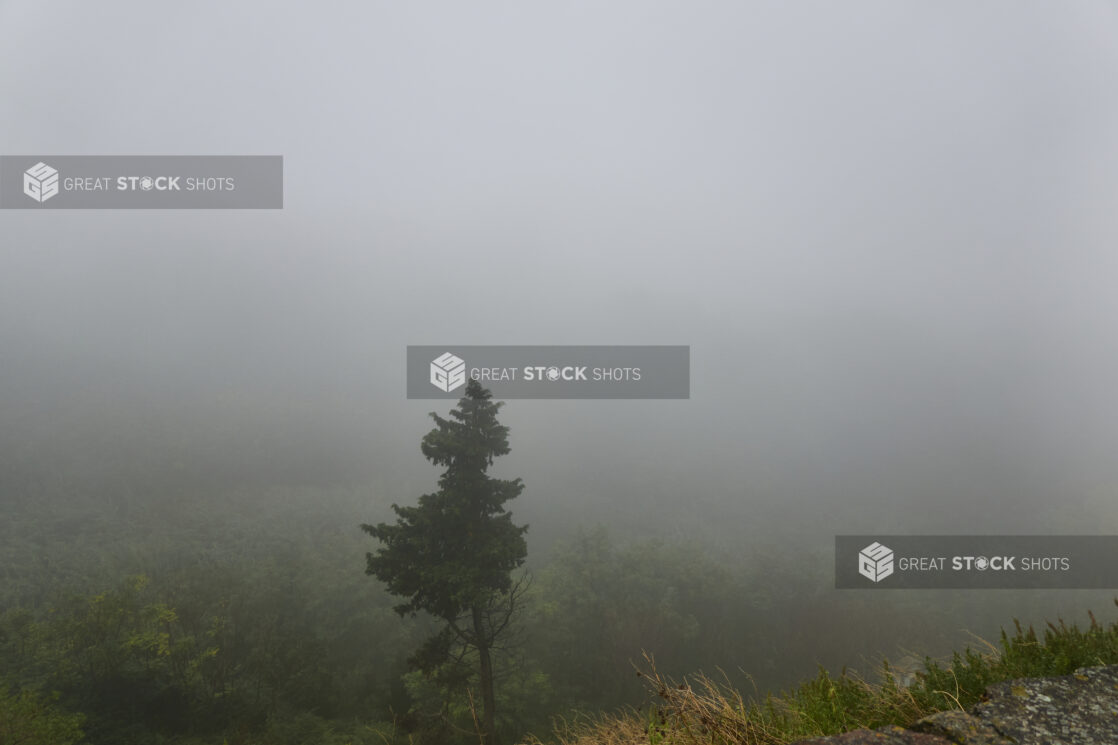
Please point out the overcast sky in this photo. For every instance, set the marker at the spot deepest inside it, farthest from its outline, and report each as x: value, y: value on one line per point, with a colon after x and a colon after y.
x: 888, y: 231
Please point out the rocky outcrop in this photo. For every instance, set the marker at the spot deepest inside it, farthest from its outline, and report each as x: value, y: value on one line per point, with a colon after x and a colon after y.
x: 1076, y: 709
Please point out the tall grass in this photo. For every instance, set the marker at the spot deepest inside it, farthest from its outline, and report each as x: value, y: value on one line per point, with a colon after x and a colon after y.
x: 700, y: 709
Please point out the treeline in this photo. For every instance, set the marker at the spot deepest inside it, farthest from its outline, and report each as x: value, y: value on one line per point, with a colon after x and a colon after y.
x: 249, y: 619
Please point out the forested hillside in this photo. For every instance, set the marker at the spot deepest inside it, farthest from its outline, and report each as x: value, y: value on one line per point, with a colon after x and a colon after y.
x: 246, y: 616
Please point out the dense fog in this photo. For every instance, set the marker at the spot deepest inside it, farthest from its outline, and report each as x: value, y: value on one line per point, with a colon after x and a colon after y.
x: 885, y: 230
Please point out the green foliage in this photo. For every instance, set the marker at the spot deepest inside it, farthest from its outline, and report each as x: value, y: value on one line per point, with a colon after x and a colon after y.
x: 215, y: 649
x: 27, y: 718
x: 122, y: 655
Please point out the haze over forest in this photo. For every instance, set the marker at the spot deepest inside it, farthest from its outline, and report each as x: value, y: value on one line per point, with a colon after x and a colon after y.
x: 885, y: 230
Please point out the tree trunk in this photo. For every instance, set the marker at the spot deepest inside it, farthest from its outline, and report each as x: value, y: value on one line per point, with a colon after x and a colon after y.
x: 487, y: 701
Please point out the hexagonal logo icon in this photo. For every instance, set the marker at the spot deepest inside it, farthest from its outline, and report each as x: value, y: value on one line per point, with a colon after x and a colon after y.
x: 875, y: 562
x: 40, y: 182
x: 448, y: 372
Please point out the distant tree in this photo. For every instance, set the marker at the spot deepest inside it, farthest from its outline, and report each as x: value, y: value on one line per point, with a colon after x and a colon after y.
x: 452, y: 556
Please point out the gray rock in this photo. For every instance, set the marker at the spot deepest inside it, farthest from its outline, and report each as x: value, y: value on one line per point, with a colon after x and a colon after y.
x: 1076, y: 709
x: 961, y: 728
